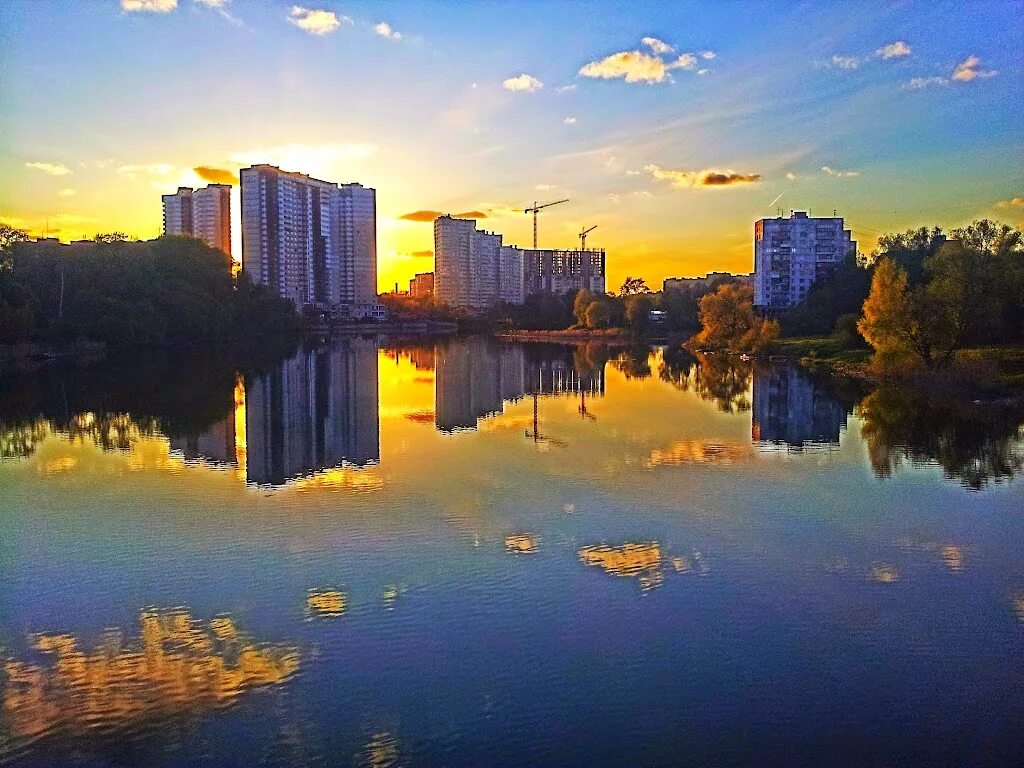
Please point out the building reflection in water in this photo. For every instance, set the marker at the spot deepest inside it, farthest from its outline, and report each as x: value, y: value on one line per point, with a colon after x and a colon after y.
x: 178, y: 667
x: 793, y: 408
x: 476, y: 377
x: 315, y: 410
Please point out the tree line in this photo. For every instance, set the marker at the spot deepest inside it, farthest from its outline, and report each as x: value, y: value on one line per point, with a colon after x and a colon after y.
x: 917, y: 300
x: 171, y: 291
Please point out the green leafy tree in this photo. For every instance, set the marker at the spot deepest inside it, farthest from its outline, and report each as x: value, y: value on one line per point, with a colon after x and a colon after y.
x: 598, y: 315
x: 638, y: 313
x: 583, y: 299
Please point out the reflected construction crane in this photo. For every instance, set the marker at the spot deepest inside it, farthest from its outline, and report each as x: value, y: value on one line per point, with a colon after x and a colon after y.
x: 538, y: 438
x: 583, y: 405
x: 537, y: 209
x: 583, y: 236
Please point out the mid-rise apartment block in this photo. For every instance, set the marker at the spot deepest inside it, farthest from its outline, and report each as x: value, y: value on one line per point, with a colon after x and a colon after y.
x: 472, y: 268
x: 311, y: 241
x: 422, y: 285
x: 790, y: 254
x: 203, y: 213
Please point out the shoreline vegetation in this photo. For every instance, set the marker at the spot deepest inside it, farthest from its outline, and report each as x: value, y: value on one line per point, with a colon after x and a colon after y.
x: 927, y: 310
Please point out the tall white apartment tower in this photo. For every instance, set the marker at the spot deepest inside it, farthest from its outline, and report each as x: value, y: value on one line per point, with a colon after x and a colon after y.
x: 309, y: 240
x: 790, y: 254
x: 358, y: 225
x: 203, y: 213
x: 453, y: 248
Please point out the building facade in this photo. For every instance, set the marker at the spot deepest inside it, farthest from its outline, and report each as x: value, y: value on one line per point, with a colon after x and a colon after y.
x: 561, y: 271
x: 472, y: 268
x: 311, y: 241
x: 422, y: 285
x: 790, y: 254
x: 203, y: 213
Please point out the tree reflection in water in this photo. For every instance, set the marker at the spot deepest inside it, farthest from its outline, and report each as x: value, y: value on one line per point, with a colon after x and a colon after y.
x: 975, y: 444
x: 722, y: 379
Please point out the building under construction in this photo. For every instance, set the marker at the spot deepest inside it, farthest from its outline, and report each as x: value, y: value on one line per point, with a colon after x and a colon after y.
x: 559, y: 271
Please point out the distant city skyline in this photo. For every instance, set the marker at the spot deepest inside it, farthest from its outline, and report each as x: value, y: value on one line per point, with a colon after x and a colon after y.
x: 670, y: 126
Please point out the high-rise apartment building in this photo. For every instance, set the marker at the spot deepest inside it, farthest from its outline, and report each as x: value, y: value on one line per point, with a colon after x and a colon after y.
x: 472, y: 268
x: 790, y: 254
x: 203, y: 213
x: 561, y: 271
x: 311, y: 241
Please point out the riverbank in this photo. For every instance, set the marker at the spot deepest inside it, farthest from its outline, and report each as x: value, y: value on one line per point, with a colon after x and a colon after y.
x: 580, y: 335
x: 826, y: 354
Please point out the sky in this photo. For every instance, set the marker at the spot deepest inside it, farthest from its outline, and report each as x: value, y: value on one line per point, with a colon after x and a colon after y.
x: 670, y: 126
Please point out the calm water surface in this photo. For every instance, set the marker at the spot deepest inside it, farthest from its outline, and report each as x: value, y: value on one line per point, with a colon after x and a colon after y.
x: 475, y: 554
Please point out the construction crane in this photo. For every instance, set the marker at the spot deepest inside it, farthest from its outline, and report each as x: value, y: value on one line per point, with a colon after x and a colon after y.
x: 583, y: 237
x: 535, y: 210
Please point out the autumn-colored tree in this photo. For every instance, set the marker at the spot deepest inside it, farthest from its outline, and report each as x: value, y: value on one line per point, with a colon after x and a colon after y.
x: 728, y: 321
x: 886, y: 322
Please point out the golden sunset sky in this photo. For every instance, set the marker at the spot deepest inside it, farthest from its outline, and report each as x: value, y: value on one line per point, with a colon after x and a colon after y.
x: 672, y: 126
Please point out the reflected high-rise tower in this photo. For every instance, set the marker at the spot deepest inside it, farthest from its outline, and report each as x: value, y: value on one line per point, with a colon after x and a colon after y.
x: 791, y: 407
x: 474, y: 378
x: 318, y: 409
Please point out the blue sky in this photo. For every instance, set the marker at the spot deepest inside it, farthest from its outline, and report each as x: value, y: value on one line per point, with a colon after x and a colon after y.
x: 914, y: 109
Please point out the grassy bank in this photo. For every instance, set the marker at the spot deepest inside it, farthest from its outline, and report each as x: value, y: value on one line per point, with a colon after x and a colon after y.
x: 825, y: 353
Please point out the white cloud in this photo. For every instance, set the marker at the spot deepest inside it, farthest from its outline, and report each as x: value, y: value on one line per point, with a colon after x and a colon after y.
x: 967, y: 70
x: 710, y: 177
x: 565, y: 88
x: 918, y: 83
x: 570, y: 121
x: 791, y: 176
x: 66, y: 192
x: 316, y: 22
x: 213, y: 3
x: 839, y: 174
x: 385, y: 30
x: 50, y: 169
x: 703, y: 72
x: 632, y: 173
x: 657, y: 45
x: 893, y: 50
x: 1017, y: 202
x: 632, y: 66
x: 149, y: 6
x: 641, y: 67
x: 544, y: 187
x: 151, y: 169
x: 845, y: 62
x: 685, y: 61
x: 523, y: 82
